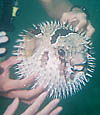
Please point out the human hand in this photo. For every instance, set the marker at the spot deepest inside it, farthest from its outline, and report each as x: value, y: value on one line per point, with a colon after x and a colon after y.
x: 15, y: 88
x: 3, y: 39
x: 50, y: 109
x: 79, y: 17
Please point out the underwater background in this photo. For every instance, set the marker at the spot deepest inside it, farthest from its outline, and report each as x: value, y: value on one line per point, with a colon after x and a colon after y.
x: 87, y: 100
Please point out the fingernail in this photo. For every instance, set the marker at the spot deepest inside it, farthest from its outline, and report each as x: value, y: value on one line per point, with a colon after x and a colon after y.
x: 2, y: 50
x: 2, y: 33
x: 59, y: 109
x: 3, y: 39
x: 57, y: 101
x: 44, y: 94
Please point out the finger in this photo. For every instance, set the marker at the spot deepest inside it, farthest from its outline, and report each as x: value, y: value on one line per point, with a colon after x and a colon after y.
x: 49, y: 107
x: 24, y: 94
x: 68, y: 18
x: 26, y: 101
x: 3, y: 39
x: 29, y: 101
x: 64, y: 19
x: 36, y: 105
x: 2, y: 33
x: 2, y: 51
x: 56, y: 111
x: 8, y: 63
x: 82, y: 31
x: 90, y: 30
x: 80, y: 25
x: 74, y: 19
x: 12, y: 107
x: 4, y: 78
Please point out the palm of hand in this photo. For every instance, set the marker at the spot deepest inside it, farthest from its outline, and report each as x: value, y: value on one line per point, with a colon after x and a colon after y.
x: 15, y: 88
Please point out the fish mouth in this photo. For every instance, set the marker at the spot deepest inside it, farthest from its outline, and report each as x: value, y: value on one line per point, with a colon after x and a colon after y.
x: 79, y: 67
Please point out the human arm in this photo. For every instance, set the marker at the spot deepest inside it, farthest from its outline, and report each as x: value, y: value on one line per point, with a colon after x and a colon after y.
x: 55, y: 8
x: 60, y: 9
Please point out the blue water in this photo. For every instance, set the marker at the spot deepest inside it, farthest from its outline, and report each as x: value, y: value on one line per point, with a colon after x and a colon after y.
x: 87, y: 100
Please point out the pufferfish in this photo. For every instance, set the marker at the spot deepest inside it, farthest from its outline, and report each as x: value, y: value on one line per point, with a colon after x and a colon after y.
x: 61, y: 57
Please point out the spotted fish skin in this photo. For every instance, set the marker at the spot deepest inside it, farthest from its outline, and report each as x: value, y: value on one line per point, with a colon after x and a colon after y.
x: 59, y: 56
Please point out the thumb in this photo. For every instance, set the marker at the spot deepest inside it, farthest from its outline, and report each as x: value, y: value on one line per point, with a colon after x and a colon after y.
x: 80, y: 25
x: 8, y: 63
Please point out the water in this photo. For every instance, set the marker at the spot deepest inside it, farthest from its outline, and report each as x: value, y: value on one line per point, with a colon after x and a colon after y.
x: 87, y: 100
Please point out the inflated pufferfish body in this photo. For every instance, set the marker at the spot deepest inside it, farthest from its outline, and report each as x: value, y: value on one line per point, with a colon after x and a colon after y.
x: 59, y: 56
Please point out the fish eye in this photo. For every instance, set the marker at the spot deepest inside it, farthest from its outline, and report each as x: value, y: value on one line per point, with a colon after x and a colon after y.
x: 61, y: 52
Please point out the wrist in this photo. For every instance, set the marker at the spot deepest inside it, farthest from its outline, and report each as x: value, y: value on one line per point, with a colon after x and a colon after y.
x: 81, y: 9
x: 46, y: 1
x: 78, y: 10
